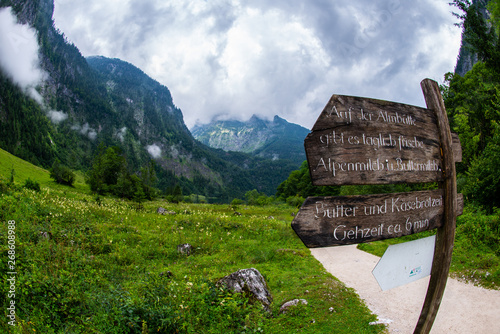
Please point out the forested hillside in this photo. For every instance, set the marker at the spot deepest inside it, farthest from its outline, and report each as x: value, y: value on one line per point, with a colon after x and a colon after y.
x: 78, y: 104
x: 473, y: 105
x: 467, y: 57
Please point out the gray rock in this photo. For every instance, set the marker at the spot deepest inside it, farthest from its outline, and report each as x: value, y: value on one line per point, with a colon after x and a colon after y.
x: 184, y: 249
x: 251, y: 282
x: 291, y: 303
x: 163, y: 211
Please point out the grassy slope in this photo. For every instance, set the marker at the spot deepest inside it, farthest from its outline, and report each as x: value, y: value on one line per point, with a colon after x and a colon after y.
x: 24, y: 170
x: 105, y: 266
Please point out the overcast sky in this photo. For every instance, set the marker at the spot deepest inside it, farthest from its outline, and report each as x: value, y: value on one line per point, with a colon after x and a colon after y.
x: 235, y: 58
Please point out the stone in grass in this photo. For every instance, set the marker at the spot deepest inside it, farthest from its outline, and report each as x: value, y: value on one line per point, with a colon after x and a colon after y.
x: 250, y: 282
x: 291, y: 303
x: 167, y: 274
x: 45, y: 235
x: 184, y: 249
x: 163, y: 211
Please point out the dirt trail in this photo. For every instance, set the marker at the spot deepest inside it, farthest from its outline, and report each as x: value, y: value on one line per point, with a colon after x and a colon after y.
x: 465, y: 308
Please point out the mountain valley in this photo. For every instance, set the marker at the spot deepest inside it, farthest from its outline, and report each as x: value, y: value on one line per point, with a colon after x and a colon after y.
x: 84, y: 102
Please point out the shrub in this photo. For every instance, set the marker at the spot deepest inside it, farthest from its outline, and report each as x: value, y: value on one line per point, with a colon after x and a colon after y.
x: 62, y: 174
x: 295, y: 201
x: 33, y: 185
x: 235, y: 203
x: 483, y: 185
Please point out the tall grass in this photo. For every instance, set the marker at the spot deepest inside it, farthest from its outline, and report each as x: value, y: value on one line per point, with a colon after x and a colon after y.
x: 109, y: 266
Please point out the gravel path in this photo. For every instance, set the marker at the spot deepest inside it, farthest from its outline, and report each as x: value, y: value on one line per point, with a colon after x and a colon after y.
x: 465, y: 308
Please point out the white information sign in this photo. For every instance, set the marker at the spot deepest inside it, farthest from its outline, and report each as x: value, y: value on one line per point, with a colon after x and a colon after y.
x: 405, y: 263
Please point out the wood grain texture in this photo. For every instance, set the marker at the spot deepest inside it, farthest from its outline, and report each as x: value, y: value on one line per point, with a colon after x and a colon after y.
x: 366, y: 141
x: 446, y: 233
x: 344, y: 220
x: 456, y: 147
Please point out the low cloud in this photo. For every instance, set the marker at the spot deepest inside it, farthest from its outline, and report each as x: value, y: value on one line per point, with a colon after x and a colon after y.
x: 120, y: 134
x: 88, y: 131
x: 19, y: 60
x: 19, y: 54
x: 57, y: 116
x: 85, y: 130
x: 154, y: 150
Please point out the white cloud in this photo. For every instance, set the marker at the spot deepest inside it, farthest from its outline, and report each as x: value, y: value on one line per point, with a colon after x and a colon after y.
x: 121, y: 133
x: 232, y: 59
x: 88, y: 131
x: 154, y: 150
x: 57, y: 116
x: 19, y: 54
x: 85, y: 130
x: 19, y: 59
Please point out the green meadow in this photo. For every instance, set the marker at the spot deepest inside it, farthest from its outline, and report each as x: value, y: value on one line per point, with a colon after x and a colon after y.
x: 87, y: 264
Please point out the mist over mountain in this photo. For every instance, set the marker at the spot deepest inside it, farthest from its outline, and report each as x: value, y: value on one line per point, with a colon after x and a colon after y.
x: 75, y: 104
x: 276, y: 139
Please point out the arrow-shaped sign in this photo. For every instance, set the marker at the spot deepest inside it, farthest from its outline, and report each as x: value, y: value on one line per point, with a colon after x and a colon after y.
x: 358, y: 140
x: 344, y: 220
x: 405, y: 263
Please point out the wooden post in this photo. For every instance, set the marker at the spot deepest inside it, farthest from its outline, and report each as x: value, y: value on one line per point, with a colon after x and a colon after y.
x: 367, y: 141
x: 446, y: 233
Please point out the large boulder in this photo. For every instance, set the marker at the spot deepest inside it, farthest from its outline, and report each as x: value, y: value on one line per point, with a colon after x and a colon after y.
x: 250, y: 282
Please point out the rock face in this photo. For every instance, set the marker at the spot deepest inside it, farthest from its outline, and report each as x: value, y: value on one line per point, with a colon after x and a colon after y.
x: 466, y: 57
x: 251, y: 282
x: 276, y: 139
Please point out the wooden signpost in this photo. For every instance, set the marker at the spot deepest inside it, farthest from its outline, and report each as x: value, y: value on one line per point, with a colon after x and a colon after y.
x: 358, y: 141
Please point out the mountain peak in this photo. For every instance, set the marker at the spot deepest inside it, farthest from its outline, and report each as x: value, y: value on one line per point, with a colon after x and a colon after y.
x: 270, y: 139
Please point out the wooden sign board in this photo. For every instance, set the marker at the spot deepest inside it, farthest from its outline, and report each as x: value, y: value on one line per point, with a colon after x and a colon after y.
x: 344, y: 220
x: 367, y: 141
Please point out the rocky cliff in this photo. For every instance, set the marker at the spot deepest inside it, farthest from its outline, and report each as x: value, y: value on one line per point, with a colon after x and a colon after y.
x: 276, y: 139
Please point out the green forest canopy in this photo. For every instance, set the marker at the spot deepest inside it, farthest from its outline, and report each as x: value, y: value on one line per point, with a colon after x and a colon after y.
x: 473, y: 105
